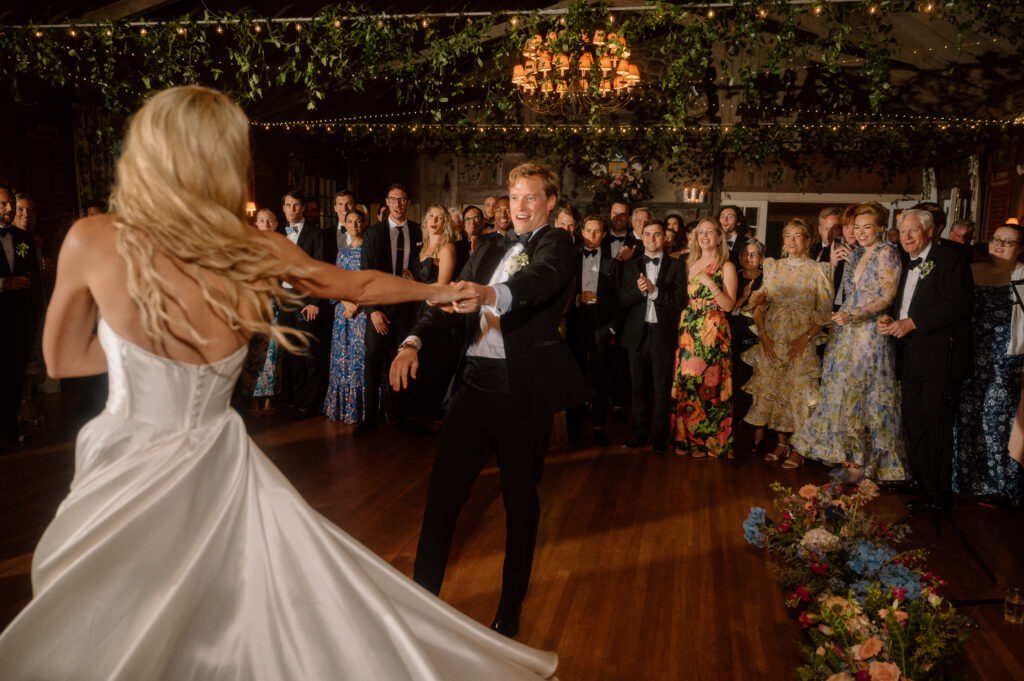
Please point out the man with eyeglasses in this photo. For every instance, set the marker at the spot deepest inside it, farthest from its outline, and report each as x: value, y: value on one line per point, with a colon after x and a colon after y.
x: 930, y: 318
x: 389, y: 246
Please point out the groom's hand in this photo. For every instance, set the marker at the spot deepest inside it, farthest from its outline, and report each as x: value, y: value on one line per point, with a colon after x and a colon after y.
x: 405, y: 365
x: 472, y: 296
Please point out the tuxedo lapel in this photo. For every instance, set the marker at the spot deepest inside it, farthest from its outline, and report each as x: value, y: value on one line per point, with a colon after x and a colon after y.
x: 921, y: 281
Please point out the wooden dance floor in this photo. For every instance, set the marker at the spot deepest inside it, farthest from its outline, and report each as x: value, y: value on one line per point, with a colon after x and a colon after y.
x: 641, y: 569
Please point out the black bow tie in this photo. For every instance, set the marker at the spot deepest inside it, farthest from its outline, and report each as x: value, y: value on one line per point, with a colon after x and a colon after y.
x: 648, y: 259
x: 511, y: 238
x: 587, y: 252
x: 618, y: 238
x: 5, y: 230
x: 915, y: 262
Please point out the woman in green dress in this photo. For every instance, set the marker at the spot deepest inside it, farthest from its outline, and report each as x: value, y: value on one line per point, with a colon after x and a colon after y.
x: 702, y: 379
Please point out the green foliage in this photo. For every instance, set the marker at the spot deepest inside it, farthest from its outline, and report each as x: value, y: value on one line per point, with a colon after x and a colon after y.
x: 426, y: 65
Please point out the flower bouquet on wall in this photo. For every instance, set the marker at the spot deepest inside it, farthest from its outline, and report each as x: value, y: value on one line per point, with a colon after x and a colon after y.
x: 871, y: 612
x: 627, y: 185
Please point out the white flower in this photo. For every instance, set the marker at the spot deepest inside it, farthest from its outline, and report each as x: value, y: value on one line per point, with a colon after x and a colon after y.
x: 518, y: 261
x: 925, y: 268
x: 820, y: 540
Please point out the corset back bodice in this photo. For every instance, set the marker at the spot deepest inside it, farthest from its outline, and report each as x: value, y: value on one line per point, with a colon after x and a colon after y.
x: 164, y: 392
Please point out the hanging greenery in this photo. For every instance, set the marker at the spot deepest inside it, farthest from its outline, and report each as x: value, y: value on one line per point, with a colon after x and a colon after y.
x: 427, y: 64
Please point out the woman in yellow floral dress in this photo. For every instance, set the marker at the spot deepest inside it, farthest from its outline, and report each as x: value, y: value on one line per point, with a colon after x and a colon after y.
x: 702, y: 380
x: 792, y: 307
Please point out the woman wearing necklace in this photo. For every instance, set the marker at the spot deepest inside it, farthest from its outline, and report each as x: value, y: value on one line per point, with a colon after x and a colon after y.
x: 701, y: 395
x: 795, y: 305
x: 857, y: 423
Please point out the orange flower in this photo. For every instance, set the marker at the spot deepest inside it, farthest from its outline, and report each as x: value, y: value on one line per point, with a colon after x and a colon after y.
x: 868, y: 649
x: 691, y: 413
x: 686, y: 341
x: 884, y: 671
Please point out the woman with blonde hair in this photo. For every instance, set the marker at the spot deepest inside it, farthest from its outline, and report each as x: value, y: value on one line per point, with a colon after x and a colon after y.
x: 792, y: 307
x: 857, y: 423
x: 701, y: 395
x: 181, y: 552
x: 437, y: 256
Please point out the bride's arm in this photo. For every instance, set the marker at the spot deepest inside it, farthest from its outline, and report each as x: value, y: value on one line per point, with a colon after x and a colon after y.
x: 364, y: 287
x: 70, y: 345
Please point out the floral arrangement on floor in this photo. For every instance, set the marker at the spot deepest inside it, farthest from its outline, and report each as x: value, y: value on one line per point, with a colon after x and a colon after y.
x: 629, y: 186
x: 871, y: 612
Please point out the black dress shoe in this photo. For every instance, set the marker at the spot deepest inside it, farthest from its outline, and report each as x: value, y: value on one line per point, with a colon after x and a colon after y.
x: 506, y: 622
x: 660, y: 446
x: 600, y: 437
x: 364, y: 428
x: 634, y: 443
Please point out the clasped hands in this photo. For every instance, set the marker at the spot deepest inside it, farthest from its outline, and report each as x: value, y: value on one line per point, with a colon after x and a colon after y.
x: 897, y: 329
x: 462, y: 297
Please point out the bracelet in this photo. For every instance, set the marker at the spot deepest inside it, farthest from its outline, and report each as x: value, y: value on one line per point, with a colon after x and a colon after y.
x: 408, y: 344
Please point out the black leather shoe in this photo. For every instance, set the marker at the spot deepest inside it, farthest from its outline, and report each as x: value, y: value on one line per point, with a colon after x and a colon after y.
x: 600, y: 437
x: 633, y: 443
x: 660, y: 446
x: 506, y: 622
x: 364, y: 428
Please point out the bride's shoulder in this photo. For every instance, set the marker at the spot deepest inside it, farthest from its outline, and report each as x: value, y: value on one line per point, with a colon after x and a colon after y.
x: 93, y: 236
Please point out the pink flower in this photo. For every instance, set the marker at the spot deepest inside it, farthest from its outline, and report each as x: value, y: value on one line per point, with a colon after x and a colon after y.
x: 806, y: 620
x: 724, y: 429
x: 713, y: 376
x: 819, y: 651
x: 868, y: 649
x: 819, y: 568
x: 786, y: 515
x: 808, y: 491
x: 899, y: 594
x: 803, y: 593
x: 784, y: 527
x: 884, y: 671
x: 694, y: 366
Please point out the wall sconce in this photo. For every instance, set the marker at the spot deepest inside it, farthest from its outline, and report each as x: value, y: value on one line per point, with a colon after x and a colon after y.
x: 250, y: 208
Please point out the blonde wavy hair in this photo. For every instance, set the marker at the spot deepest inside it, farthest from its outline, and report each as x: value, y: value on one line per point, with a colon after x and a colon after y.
x: 797, y: 224
x: 723, y: 248
x: 180, y: 190
x: 447, y: 232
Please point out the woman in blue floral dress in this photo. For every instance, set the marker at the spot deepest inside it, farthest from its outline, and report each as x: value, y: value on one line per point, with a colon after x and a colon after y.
x: 982, y: 466
x: 701, y: 398
x: 346, y: 399
x: 261, y: 378
x: 857, y: 422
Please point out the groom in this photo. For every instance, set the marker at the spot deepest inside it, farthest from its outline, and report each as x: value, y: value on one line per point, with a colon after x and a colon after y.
x: 515, y: 372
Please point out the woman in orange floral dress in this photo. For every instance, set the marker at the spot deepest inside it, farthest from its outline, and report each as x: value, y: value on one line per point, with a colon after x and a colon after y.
x: 702, y: 380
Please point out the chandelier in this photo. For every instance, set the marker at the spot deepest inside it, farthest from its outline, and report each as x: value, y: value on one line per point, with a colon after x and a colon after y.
x: 551, y: 79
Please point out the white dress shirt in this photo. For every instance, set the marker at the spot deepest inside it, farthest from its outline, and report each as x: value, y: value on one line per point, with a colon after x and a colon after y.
x: 294, y: 238
x: 341, y: 236
x: 407, y: 244
x: 616, y: 244
x: 913, y: 277
x: 591, y: 271
x: 651, y: 272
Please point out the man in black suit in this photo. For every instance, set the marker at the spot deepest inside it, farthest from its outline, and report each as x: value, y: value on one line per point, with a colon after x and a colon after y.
x: 19, y: 311
x: 621, y: 241
x: 931, y: 318
x: 652, y: 295
x: 829, y: 231
x: 389, y: 246
x: 735, y: 231
x: 514, y: 373
x: 336, y: 237
x: 304, y: 373
x: 588, y: 324
x: 622, y: 245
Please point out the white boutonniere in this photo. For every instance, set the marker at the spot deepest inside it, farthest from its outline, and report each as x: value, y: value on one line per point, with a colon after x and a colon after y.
x: 925, y: 268
x: 21, y: 249
x: 517, y: 262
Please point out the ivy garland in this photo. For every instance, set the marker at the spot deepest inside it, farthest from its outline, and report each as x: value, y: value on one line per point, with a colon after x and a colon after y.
x: 430, y: 63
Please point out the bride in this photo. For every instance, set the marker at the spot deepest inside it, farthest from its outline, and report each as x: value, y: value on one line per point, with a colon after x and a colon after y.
x: 181, y: 552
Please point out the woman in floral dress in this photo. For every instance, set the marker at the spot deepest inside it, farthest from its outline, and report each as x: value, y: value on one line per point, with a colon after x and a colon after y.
x: 701, y: 396
x: 982, y: 465
x: 261, y: 378
x: 857, y: 423
x: 346, y: 399
x: 794, y: 305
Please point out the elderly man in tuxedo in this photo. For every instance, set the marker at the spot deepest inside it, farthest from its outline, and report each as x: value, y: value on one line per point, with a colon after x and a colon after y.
x: 931, y: 318
x: 20, y: 293
x: 389, y: 246
x: 514, y: 373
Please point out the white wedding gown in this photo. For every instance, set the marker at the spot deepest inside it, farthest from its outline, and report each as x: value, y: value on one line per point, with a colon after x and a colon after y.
x: 182, y: 553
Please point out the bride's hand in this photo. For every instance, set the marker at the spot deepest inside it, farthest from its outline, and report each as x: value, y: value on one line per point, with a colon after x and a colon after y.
x: 443, y: 296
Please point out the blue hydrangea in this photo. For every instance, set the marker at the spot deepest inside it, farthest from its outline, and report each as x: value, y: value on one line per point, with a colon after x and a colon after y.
x: 867, y: 559
x: 899, y: 577
x: 752, y: 526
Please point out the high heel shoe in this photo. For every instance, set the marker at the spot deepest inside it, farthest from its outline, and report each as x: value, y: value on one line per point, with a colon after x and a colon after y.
x: 793, y: 459
x: 776, y: 454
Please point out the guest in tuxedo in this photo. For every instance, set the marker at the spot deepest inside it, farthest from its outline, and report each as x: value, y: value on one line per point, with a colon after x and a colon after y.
x: 303, y: 373
x: 652, y: 295
x: 25, y: 220
x: 388, y: 246
x: 621, y: 241
x: 514, y: 373
x: 20, y: 303
x: 312, y: 213
x: 829, y: 229
x: 736, y: 231
x: 589, y: 321
x: 931, y: 319
x: 622, y: 245
x: 502, y: 217
x: 488, y: 210
x: 841, y: 251
x: 473, y: 236
x: 338, y: 238
x: 567, y: 218
x: 640, y: 217
x: 939, y: 220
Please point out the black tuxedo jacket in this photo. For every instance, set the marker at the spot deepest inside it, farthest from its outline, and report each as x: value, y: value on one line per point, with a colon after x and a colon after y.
x: 377, y: 256
x: 941, y: 309
x: 667, y: 305
x: 19, y: 310
x: 311, y: 241
x: 543, y: 376
x: 630, y: 240
x: 608, y: 279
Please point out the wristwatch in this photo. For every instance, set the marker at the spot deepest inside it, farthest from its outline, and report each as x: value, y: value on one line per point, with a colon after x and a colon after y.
x: 408, y: 344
